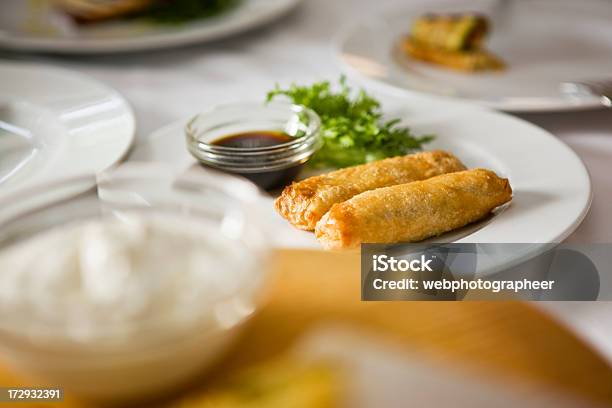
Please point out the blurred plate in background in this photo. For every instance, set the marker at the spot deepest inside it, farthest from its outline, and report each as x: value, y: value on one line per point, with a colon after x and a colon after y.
x: 56, y: 123
x: 544, y: 42
x: 24, y: 28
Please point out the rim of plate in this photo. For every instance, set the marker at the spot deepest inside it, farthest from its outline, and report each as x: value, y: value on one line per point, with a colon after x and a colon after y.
x: 72, y: 74
x: 506, y: 104
x: 571, y: 227
x: 538, y: 247
x: 194, y: 32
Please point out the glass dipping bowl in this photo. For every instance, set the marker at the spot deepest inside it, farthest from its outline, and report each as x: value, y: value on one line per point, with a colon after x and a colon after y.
x: 126, y: 359
x: 268, y: 167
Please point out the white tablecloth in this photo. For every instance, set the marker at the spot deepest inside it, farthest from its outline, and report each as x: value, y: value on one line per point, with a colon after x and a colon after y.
x: 167, y: 85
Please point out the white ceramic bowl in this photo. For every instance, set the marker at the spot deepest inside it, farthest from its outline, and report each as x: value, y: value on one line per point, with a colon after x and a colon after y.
x: 132, y: 359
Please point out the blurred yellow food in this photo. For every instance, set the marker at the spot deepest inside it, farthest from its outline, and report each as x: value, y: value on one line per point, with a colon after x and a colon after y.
x: 471, y: 61
x: 450, y: 32
x: 277, y: 384
x: 454, y: 41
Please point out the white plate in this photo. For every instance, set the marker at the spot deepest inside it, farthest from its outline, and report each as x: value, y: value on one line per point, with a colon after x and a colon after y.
x: 47, y: 30
x: 552, y: 190
x: 72, y: 125
x: 544, y: 42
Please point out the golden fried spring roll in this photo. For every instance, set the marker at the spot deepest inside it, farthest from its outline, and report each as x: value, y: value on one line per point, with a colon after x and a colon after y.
x: 469, y: 61
x: 453, y: 40
x: 304, y: 203
x: 450, y: 32
x: 414, y: 211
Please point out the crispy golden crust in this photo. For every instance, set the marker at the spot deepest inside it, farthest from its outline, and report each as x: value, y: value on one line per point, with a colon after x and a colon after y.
x: 451, y: 32
x: 414, y: 211
x: 305, y: 202
x: 469, y: 61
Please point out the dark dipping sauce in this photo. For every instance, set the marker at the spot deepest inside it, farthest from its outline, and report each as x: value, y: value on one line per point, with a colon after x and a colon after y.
x: 267, y: 180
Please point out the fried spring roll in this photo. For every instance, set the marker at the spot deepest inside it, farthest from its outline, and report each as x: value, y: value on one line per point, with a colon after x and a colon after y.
x: 450, y: 32
x: 414, y: 211
x: 305, y: 202
x: 97, y: 10
x: 469, y: 61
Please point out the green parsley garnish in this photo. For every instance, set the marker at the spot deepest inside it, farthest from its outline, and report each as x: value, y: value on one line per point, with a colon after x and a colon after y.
x: 352, y: 127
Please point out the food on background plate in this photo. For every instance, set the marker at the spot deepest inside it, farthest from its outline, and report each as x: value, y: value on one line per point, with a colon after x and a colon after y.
x: 413, y: 211
x: 163, y: 11
x: 352, y: 127
x: 451, y: 32
x: 305, y: 202
x: 452, y: 40
x: 96, y: 10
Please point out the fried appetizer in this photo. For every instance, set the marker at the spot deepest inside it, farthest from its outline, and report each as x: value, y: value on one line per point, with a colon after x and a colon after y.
x: 454, y: 41
x: 304, y: 203
x: 450, y: 32
x: 97, y: 10
x: 413, y: 211
x: 469, y: 61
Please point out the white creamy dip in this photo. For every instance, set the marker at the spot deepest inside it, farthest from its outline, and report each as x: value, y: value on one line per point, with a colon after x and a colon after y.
x: 114, y: 277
